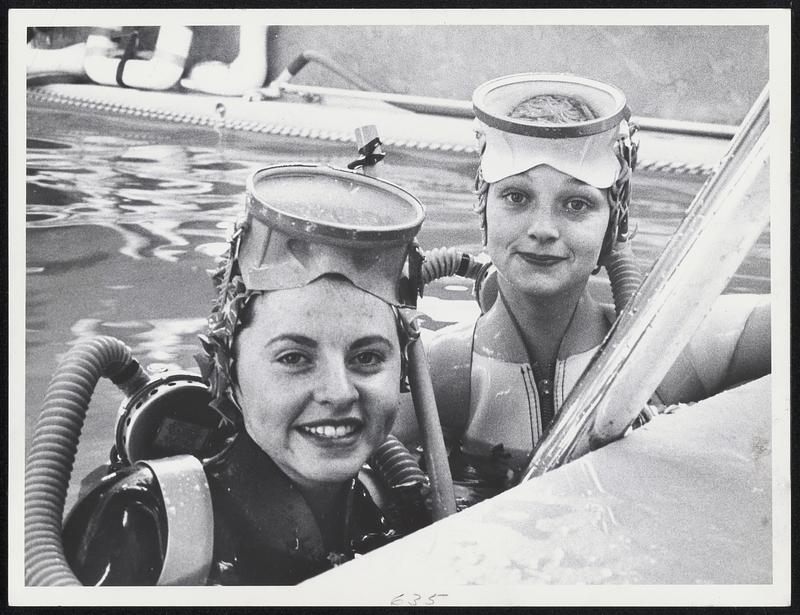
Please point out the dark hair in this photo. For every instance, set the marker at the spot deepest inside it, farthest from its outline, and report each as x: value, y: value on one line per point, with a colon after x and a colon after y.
x: 553, y: 109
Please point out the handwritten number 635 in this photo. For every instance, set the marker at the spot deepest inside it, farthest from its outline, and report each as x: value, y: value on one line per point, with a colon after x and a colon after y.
x: 414, y: 599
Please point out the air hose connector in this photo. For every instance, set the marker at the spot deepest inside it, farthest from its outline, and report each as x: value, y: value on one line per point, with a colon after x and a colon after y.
x: 445, y: 262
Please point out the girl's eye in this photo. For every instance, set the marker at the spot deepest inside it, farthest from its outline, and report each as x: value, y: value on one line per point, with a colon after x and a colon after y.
x: 577, y: 205
x: 368, y: 358
x: 515, y: 198
x: 293, y: 359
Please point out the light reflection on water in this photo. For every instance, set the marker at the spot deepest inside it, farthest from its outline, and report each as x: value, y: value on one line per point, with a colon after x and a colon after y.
x: 125, y: 217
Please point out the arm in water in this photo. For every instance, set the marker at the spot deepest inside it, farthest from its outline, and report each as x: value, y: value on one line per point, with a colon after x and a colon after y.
x: 731, y: 346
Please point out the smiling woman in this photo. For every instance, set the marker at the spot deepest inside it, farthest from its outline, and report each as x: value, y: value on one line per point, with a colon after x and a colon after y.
x: 319, y: 397
x: 305, y: 361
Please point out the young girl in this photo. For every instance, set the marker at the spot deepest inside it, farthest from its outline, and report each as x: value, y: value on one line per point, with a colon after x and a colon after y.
x: 553, y: 188
x: 305, y: 359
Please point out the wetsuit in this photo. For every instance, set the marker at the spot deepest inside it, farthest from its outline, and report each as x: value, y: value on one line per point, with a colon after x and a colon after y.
x: 264, y: 531
x: 493, y: 400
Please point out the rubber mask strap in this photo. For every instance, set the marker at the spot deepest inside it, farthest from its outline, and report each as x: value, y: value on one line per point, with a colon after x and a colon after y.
x: 481, y: 188
x: 413, y: 286
x: 233, y: 251
x: 406, y: 333
x: 628, y: 148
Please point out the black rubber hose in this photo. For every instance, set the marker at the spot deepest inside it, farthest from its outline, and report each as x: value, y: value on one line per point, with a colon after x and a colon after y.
x: 626, y: 278
x: 624, y: 275
x: 396, y: 464
x: 55, y: 442
x: 445, y: 262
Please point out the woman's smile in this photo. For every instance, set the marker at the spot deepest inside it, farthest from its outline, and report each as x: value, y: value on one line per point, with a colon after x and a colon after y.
x: 333, y: 432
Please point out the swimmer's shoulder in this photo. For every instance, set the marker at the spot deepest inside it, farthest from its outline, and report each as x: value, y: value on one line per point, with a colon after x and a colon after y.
x: 730, y: 346
x: 450, y: 359
x: 458, y: 333
x: 448, y: 347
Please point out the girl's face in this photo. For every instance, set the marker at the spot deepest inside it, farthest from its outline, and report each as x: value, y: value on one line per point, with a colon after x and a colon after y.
x: 318, y: 372
x: 545, y: 230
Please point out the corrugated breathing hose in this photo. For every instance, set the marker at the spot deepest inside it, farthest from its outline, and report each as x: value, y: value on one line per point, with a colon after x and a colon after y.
x: 445, y: 262
x: 623, y: 273
x: 55, y: 443
x: 396, y: 464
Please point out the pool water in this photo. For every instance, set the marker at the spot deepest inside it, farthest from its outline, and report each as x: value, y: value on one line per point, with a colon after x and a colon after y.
x: 125, y: 216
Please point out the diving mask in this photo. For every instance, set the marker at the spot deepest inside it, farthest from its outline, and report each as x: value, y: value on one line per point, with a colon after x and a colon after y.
x: 304, y: 221
x: 584, y: 149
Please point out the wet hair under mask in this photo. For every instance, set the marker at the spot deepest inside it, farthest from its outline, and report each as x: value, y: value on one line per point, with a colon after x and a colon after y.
x: 553, y: 109
x: 246, y: 314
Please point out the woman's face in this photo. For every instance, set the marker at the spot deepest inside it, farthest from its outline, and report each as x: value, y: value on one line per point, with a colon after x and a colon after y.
x: 318, y: 372
x: 545, y: 230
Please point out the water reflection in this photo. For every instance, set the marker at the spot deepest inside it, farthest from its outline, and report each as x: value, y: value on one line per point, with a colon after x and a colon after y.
x: 159, y: 342
x: 171, y: 194
x: 144, y: 192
